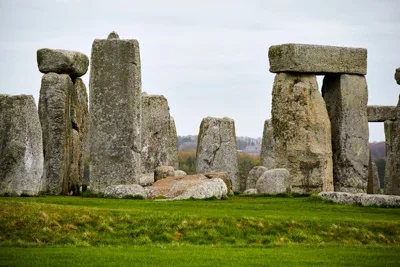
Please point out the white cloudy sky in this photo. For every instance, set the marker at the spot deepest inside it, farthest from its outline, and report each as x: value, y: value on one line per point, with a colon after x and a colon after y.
x: 209, y: 58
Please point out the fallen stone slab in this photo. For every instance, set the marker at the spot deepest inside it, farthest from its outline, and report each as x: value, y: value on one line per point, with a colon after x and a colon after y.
x: 188, y: 186
x: 21, y: 147
x: 250, y: 191
x: 224, y: 176
x: 254, y: 174
x: 125, y: 190
x: 162, y: 172
x: 381, y: 113
x: 362, y: 199
x: 61, y: 61
x: 318, y: 59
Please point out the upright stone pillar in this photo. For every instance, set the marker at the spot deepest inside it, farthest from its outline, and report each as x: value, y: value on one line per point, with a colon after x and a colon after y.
x: 302, y: 132
x: 267, y: 155
x: 156, y: 133
x: 172, y: 150
x: 21, y: 150
x: 346, y: 98
x: 217, y: 149
x: 392, y: 169
x: 63, y: 115
x: 115, y: 113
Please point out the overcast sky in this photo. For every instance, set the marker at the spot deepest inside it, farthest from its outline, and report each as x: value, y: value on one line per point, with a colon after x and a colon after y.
x: 209, y: 58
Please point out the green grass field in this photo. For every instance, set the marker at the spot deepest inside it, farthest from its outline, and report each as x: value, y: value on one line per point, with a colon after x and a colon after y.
x: 261, y: 231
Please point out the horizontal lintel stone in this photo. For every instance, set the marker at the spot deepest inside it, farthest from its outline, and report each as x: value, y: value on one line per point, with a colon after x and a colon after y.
x: 381, y: 113
x: 317, y: 59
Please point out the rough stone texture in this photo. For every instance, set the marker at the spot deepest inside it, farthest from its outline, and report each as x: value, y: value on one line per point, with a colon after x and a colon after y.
x: 373, y: 186
x: 21, y: 148
x: 250, y: 191
x: 120, y: 191
x: 80, y: 123
x: 180, y: 173
x: 302, y: 133
x: 216, y: 149
x: 363, y: 199
x: 317, y: 59
x: 60, y: 61
x: 267, y: 155
x: 346, y: 98
x: 254, y: 174
x: 157, y: 146
x: 392, y: 169
x: 381, y: 113
x: 189, y: 186
x: 224, y: 176
x: 146, y: 179
x: 54, y: 114
x: 397, y: 76
x: 172, y: 148
x: 274, y: 181
x: 115, y: 113
x: 162, y: 172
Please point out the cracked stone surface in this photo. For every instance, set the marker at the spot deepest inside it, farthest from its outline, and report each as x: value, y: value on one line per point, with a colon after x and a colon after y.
x: 346, y: 98
x: 302, y: 133
x: 216, y: 149
x: 115, y: 113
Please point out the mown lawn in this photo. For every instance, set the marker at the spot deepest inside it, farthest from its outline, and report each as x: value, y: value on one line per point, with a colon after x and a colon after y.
x: 262, y: 231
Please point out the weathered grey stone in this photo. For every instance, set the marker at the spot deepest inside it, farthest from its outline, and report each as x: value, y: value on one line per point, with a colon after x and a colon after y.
x: 254, y: 174
x: 273, y: 181
x: 363, y: 199
x: 224, y: 176
x: 115, y: 113
x: 21, y: 148
x: 157, y: 142
x: 125, y: 190
x: 267, y: 155
x: 346, y: 98
x: 80, y: 122
x: 180, y: 173
x: 113, y: 35
x: 318, y: 59
x: 342, y: 197
x: 250, y: 191
x: 381, y: 113
x: 189, y: 186
x: 54, y: 114
x: 302, y: 133
x: 146, y: 179
x: 397, y: 76
x: 172, y: 148
x: 216, y: 149
x: 62, y: 62
x: 373, y: 186
x: 162, y: 172
x: 392, y: 169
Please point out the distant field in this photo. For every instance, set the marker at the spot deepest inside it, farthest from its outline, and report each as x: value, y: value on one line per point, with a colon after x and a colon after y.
x: 261, y: 231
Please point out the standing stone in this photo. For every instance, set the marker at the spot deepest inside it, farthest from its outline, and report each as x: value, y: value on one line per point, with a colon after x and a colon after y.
x: 302, y: 133
x: 216, y: 149
x: 21, y: 150
x: 115, y: 113
x: 80, y: 121
x: 156, y: 133
x: 254, y: 174
x: 267, y: 155
x: 373, y: 178
x: 346, y: 98
x: 392, y: 169
x: 54, y: 114
x: 397, y: 76
x: 172, y: 149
